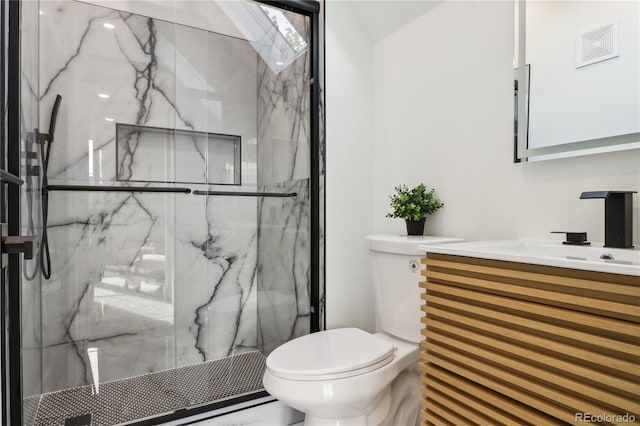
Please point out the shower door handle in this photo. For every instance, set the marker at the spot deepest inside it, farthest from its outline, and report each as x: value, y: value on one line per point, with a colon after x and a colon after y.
x: 7, y: 177
x: 12, y: 245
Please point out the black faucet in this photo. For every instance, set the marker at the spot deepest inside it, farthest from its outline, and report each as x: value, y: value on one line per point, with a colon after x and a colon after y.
x: 618, y: 220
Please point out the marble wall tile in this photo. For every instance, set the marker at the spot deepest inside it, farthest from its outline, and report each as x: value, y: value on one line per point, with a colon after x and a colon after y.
x: 133, y: 63
x: 155, y: 73
x: 153, y: 281
x: 284, y: 117
x: 156, y: 281
x: 206, y: 15
x: 111, y: 287
x: 216, y: 92
x: 216, y: 266
x: 284, y: 227
x: 186, y: 262
x: 284, y: 265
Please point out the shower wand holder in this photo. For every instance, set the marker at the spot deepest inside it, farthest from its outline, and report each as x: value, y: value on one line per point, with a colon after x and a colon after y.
x: 39, y: 138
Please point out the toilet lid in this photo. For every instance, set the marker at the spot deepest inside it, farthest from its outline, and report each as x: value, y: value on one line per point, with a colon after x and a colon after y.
x: 331, y: 352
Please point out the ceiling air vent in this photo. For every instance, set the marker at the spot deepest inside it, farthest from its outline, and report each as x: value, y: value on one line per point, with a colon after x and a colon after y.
x: 597, y: 45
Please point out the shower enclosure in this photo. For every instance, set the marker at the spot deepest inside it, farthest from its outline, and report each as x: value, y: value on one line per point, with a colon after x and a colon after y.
x: 172, y: 169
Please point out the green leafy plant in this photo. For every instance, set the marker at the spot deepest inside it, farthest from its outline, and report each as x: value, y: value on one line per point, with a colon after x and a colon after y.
x: 415, y: 203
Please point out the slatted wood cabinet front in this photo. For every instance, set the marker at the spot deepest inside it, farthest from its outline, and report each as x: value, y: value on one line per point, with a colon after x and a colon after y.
x: 515, y: 344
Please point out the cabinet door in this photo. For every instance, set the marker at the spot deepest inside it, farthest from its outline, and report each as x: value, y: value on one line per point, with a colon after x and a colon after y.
x: 510, y: 343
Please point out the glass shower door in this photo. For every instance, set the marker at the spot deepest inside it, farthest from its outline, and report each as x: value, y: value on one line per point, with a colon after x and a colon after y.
x: 284, y: 167
x: 178, y: 205
x: 31, y: 210
x: 19, y: 193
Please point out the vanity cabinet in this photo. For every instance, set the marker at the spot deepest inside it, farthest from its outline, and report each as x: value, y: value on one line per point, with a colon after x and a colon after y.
x: 509, y: 343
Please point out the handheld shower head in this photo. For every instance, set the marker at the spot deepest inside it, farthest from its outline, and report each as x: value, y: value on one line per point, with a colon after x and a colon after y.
x: 54, y: 117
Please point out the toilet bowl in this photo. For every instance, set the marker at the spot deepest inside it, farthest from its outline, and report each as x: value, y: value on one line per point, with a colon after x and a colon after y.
x: 343, y: 377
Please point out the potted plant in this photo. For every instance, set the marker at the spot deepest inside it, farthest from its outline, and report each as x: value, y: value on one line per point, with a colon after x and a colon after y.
x: 413, y: 205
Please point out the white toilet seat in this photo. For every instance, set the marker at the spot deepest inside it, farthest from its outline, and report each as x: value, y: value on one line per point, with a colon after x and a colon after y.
x: 330, y: 354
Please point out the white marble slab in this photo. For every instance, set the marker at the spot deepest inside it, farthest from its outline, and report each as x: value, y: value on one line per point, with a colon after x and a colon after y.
x: 283, y: 283
x: 284, y: 125
x: 157, y: 281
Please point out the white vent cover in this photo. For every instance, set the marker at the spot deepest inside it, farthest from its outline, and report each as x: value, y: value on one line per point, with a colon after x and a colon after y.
x: 597, y: 45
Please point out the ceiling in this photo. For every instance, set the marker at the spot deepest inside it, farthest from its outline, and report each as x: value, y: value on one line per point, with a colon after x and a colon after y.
x: 380, y: 18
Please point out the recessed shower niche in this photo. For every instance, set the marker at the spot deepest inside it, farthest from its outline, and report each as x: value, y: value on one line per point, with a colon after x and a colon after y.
x: 186, y: 156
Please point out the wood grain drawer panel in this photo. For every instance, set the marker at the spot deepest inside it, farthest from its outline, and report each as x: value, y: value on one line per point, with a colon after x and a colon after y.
x: 541, y: 398
x: 447, y: 412
x: 586, y: 322
x: 432, y: 418
x: 573, y: 376
x: 505, y: 411
x: 516, y: 344
x: 522, y: 371
x: 442, y: 395
x: 607, y: 288
x: 560, y: 341
x: 625, y: 311
x: 469, y: 262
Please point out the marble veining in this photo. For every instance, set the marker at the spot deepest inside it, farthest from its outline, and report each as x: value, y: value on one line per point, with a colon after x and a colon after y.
x: 159, y: 281
x: 283, y: 281
x: 283, y: 159
x: 284, y: 117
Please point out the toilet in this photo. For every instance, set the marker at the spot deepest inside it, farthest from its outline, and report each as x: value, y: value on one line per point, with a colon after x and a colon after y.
x: 343, y: 377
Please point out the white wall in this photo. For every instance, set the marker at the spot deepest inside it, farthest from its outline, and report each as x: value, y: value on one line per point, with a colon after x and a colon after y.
x: 349, y: 191
x: 446, y: 119
x: 443, y: 115
x: 445, y: 95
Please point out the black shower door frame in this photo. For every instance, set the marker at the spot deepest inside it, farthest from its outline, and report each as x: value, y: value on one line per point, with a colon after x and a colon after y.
x: 10, y: 333
x: 10, y: 337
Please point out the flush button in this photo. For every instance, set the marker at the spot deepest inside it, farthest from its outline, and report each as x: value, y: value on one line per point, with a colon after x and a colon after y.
x: 414, y: 265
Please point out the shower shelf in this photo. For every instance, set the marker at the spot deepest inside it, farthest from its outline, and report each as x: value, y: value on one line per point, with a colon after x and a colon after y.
x: 116, y: 188
x: 198, y: 157
x: 246, y: 194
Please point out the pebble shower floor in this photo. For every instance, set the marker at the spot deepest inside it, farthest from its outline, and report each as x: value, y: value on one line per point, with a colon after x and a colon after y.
x: 148, y: 395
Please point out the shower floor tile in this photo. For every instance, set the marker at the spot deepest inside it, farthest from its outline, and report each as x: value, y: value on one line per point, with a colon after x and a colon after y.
x: 148, y: 395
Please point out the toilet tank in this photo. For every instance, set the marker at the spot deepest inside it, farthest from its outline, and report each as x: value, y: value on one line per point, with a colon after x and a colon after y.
x: 396, y: 275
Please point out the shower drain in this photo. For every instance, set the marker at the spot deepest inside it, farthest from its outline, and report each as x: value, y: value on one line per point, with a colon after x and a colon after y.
x: 84, y: 420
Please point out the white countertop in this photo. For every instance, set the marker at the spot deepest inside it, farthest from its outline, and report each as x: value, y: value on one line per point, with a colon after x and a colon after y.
x: 547, y: 252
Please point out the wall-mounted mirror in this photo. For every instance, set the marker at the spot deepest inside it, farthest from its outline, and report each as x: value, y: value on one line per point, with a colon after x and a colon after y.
x: 577, y: 78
